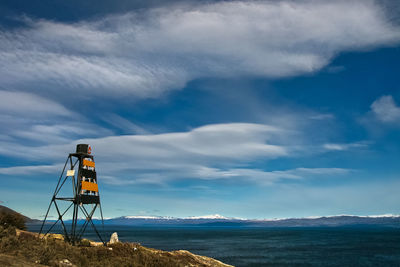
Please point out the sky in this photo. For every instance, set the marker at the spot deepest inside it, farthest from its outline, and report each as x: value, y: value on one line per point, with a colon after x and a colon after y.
x: 250, y: 109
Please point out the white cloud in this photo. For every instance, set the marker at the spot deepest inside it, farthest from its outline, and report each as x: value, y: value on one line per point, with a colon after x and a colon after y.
x: 26, y: 117
x: 143, y: 54
x: 29, y: 105
x: 48, y: 128
x: 29, y: 117
x: 161, y: 176
x: 229, y: 141
x: 59, y: 132
x: 323, y: 116
x: 343, y: 147
x: 224, y: 141
x: 211, y: 152
x: 29, y: 170
x: 219, y: 144
x: 338, y: 147
x: 386, y: 110
x: 266, y: 177
x: 123, y: 124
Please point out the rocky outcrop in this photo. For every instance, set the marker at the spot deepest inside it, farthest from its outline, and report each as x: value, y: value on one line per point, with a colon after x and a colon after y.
x: 114, y: 238
x: 200, y: 260
x: 65, y: 263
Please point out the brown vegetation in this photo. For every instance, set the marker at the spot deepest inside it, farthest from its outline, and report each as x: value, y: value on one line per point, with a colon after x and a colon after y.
x: 22, y: 248
x: 12, y: 219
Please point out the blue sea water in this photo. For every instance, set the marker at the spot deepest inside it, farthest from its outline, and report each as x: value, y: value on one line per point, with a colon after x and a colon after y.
x: 339, y: 246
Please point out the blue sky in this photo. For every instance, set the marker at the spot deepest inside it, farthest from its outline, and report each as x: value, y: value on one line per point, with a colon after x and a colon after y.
x: 254, y: 109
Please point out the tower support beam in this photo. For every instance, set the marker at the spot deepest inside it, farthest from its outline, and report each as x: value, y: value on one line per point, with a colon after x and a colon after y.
x: 86, y: 198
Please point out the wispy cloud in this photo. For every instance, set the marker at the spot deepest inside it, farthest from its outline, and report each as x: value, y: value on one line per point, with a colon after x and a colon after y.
x: 229, y: 141
x: 211, y: 152
x: 123, y: 124
x: 144, y: 54
x: 30, y: 118
x: 267, y: 177
x: 323, y: 116
x: 161, y: 177
x: 30, y: 105
x: 346, y: 146
x: 31, y: 170
x: 385, y: 110
x: 383, y: 115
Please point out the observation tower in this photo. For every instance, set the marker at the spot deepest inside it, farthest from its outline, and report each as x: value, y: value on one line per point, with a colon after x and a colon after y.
x: 79, y: 171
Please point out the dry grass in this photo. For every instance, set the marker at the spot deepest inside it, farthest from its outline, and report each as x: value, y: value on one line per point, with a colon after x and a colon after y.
x: 29, y: 248
x: 23, y: 248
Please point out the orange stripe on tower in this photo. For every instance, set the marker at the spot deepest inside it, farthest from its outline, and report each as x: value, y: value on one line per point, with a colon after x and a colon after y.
x: 90, y: 186
x: 88, y: 163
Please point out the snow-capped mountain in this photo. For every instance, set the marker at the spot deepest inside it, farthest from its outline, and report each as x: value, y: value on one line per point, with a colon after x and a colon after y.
x: 215, y: 216
x: 148, y: 217
x: 221, y: 221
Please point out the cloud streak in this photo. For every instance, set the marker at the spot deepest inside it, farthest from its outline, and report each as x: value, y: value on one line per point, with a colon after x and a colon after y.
x: 345, y: 147
x: 29, y: 170
x: 30, y: 118
x: 143, y: 54
x: 226, y: 141
x: 30, y: 105
x: 212, y: 152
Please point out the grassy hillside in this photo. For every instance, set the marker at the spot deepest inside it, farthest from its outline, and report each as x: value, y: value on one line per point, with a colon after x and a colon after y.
x: 23, y: 248
x: 5, y: 210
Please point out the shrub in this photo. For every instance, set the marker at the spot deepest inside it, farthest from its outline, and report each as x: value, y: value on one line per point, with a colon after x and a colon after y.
x: 8, y: 219
x: 8, y: 241
x: 46, y: 254
x: 84, y: 243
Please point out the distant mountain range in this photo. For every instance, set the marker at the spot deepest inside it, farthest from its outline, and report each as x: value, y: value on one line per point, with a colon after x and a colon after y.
x: 217, y: 220
x: 221, y: 221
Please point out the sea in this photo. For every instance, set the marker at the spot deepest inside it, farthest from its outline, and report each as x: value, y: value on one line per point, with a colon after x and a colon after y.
x: 241, y: 246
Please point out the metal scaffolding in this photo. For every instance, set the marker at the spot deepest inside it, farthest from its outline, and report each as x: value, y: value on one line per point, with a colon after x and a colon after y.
x: 79, y: 169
